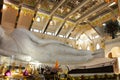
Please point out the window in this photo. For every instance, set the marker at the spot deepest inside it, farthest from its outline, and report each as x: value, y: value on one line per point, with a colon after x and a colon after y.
x: 97, y: 46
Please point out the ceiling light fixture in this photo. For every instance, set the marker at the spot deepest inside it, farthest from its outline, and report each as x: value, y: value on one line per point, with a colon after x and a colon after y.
x: 68, y: 10
x: 65, y: 26
x: 51, y: 6
x: 104, y: 24
x: 97, y: 46
x: 35, y: 30
x: 97, y: 36
x: 60, y: 35
x: 52, y: 22
x: 71, y: 38
x: 49, y: 33
x: 39, y: 6
x: 88, y: 48
x: 38, y: 19
x: 77, y: 15
x: 61, y: 10
x: 112, y: 4
x: 40, y: 31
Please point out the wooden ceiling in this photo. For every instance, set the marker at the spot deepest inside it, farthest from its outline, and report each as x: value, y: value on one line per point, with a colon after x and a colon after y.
x: 62, y: 20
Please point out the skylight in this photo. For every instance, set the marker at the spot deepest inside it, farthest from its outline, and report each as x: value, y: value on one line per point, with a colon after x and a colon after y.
x: 97, y: 46
x: 112, y: 4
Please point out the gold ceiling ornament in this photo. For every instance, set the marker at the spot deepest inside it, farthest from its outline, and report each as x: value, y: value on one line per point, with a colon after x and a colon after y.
x: 66, y: 26
x: 27, y: 11
x: 92, y: 47
x: 43, y: 15
x: 46, y: 5
x: 102, y: 19
x: 113, y: 18
x: 75, y: 16
x: 52, y: 22
x: 51, y: 6
x: 29, y: 2
x: 38, y: 6
x: 102, y: 44
x: 86, y: 27
x: 57, y: 19
x: 37, y: 19
x: 60, y: 10
x: 10, y: 5
x: 70, y: 23
x: 111, y: 0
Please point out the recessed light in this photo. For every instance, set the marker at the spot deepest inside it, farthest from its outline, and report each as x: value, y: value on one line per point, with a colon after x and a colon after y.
x: 38, y: 19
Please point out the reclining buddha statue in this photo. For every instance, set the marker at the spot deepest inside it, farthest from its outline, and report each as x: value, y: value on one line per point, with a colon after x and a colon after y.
x: 22, y: 41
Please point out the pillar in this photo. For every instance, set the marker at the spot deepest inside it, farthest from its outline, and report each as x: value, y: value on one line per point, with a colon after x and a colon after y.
x: 1, y: 4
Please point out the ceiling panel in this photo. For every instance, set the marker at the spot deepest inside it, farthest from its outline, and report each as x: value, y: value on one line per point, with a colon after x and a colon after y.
x: 55, y: 23
x: 61, y: 18
x: 25, y: 18
x: 66, y: 28
x: 75, y: 32
x: 40, y: 21
x: 48, y: 5
x: 9, y: 14
x: 77, y: 14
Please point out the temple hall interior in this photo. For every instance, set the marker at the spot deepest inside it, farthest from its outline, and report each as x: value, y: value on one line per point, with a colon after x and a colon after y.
x: 59, y: 39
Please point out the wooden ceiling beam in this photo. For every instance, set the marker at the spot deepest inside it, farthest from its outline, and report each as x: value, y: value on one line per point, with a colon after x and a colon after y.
x: 86, y: 15
x: 69, y: 32
x: 77, y: 36
x: 51, y: 15
x: 59, y: 28
x: 1, y: 5
x: 46, y: 26
x: 74, y: 10
x: 56, y: 7
x: 18, y: 15
x: 112, y: 11
x: 36, y: 9
x: 93, y: 27
x: 77, y: 8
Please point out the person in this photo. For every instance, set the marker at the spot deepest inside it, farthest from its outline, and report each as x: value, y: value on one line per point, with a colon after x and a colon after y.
x: 22, y: 41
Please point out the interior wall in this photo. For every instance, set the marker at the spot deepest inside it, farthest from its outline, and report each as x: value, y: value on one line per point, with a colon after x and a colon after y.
x: 111, y: 44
